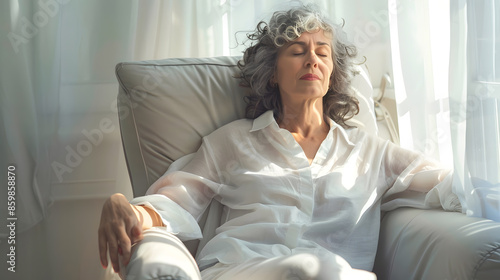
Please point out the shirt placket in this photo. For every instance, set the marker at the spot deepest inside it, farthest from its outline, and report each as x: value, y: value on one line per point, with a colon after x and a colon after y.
x: 301, y: 164
x: 306, y: 189
x: 306, y: 184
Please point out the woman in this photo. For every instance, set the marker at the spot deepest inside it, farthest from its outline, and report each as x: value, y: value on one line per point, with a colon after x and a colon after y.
x: 302, y: 191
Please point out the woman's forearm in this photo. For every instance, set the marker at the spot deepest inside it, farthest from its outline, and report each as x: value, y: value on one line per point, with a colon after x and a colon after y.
x: 424, y: 181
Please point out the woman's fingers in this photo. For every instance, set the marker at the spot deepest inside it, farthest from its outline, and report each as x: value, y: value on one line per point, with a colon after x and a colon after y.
x: 113, y: 254
x: 109, y: 242
x: 103, y: 248
x: 136, y: 234
x: 124, y: 246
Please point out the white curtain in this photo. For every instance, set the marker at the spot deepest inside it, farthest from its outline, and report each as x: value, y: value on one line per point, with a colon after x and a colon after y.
x: 445, y: 57
x: 201, y: 28
x: 29, y: 90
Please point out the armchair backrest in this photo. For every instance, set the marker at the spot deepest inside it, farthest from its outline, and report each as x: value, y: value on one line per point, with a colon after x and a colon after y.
x: 165, y: 107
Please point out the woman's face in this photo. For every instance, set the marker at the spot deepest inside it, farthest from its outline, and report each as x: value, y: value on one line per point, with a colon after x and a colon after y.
x: 304, y: 67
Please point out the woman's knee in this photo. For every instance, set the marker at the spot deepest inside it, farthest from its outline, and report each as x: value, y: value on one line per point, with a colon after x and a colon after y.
x: 320, y: 266
x: 160, y: 254
x: 299, y: 266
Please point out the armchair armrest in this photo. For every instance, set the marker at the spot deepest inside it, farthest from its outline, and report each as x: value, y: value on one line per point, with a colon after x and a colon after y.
x: 434, y: 244
x: 160, y: 255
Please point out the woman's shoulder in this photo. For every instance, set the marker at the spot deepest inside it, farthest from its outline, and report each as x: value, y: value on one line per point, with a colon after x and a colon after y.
x: 357, y: 135
x: 373, y: 142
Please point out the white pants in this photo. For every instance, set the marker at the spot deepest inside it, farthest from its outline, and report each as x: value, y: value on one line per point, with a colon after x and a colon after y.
x: 294, y: 267
x: 161, y: 255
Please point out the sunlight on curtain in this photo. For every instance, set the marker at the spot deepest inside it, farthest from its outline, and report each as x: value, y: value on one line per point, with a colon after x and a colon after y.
x: 445, y: 60
x: 420, y: 45
x: 484, y: 81
x: 479, y: 115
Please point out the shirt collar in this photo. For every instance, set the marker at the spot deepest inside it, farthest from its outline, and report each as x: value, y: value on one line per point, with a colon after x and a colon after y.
x: 263, y: 121
x: 267, y: 119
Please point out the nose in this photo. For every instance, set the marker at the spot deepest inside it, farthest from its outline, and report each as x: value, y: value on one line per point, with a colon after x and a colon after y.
x: 312, y: 60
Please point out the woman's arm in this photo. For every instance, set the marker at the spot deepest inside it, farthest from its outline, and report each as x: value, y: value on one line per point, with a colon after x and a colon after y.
x: 417, y: 181
x: 176, y: 199
x: 121, y: 226
x: 424, y: 181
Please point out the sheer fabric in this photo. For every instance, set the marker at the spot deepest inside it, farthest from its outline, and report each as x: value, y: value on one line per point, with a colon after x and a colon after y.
x: 444, y: 61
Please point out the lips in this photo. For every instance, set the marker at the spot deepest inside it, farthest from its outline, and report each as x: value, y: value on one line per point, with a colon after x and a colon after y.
x: 309, y: 77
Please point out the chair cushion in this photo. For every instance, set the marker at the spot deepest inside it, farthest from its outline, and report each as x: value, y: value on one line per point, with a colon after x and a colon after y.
x: 166, y: 106
x: 434, y: 244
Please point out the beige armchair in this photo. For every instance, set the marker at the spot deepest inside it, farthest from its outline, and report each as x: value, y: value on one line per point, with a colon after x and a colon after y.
x: 165, y: 108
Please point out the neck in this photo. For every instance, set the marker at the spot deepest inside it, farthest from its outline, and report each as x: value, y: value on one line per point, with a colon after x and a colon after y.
x: 304, y: 121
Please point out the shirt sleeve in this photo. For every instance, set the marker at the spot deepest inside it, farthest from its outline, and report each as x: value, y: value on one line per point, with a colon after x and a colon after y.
x: 416, y: 181
x: 183, y: 193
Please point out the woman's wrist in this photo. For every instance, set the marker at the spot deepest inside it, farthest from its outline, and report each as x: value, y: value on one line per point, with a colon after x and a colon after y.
x: 147, y: 217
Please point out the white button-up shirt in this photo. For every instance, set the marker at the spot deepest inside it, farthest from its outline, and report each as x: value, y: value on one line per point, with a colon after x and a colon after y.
x: 276, y: 203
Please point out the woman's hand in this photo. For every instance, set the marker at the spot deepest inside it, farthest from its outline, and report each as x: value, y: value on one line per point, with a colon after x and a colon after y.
x: 120, y: 227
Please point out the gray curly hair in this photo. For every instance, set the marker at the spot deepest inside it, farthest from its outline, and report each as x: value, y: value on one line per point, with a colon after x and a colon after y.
x: 259, y: 61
